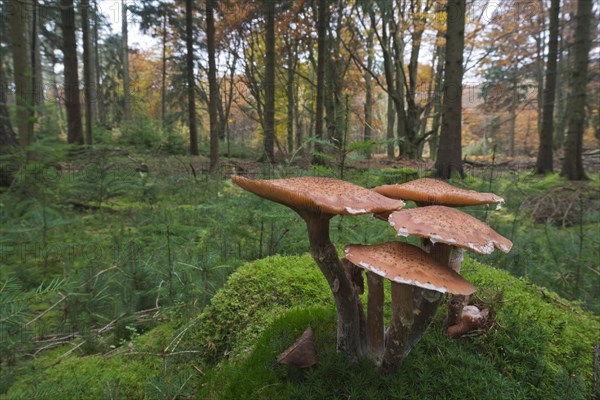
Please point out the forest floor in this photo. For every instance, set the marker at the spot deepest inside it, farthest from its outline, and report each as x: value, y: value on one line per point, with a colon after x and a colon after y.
x: 100, y: 248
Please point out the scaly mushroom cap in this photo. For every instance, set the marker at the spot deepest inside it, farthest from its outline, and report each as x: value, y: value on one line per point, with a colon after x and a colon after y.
x: 405, y: 263
x: 320, y: 195
x: 450, y: 226
x: 433, y: 191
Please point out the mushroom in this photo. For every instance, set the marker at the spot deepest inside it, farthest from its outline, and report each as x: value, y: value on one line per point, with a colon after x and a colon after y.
x: 406, y: 266
x: 302, y: 353
x: 453, y: 231
x: 317, y: 200
x: 428, y: 191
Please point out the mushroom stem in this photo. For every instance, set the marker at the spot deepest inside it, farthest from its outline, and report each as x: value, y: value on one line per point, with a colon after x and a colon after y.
x: 344, y: 294
x: 427, y: 301
x: 457, y: 302
x: 397, y: 335
x: 375, y: 323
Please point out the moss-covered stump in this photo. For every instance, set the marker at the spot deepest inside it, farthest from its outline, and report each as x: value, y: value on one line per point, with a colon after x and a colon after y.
x: 540, y: 347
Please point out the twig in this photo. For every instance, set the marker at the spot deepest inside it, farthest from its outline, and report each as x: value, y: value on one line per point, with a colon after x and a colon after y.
x: 72, y: 350
x: 46, y: 311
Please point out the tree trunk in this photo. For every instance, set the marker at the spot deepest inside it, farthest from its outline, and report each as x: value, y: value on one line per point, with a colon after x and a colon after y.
x: 513, y: 113
x: 71, y: 74
x: 100, y: 111
x: 391, y: 118
x: 291, y: 107
x: 563, y: 83
x: 369, y: 94
x: 404, y: 145
x: 87, y: 70
x: 163, y: 83
x: 322, y: 23
x: 8, y: 139
x: 436, y: 95
x: 23, y: 70
x: 36, y: 60
x: 93, y: 63
x: 126, y: 89
x: 269, y: 139
x: 213, y: 88
x: 544, y: 158
x: 572, y: 167
x: 191, y: 85
x: 449, y: 159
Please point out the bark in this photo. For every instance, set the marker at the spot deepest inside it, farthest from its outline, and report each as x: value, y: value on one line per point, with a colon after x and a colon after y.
x: 23, y: 70
x: 290, y: 93
x: 369, y: 94
x: 191, y: 85
x: 100, y: 112
x: 434, y: 104
x: 450, y: 152
x: 213, y: 88
x: 513, y: 112
x: 572, y: 167
x: 93, y: 63
x: 163, y: 85
x: 391, y: 118
x: 544, y: 158
x: 563, y: 83
x: 87, y: 70
x: 8, y: 138
x: 71, y: 74
x: 344, y: 293
x: 397, y: 75
x: 322, y: 23
x: 126, y: 88
x: 36, y: 60
x: 269, y: 128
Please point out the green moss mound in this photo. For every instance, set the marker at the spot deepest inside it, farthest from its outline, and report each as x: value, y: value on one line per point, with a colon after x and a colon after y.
x: 541, y: 347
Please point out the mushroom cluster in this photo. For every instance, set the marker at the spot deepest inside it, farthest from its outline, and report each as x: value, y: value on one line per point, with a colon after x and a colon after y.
x: 419, y: 276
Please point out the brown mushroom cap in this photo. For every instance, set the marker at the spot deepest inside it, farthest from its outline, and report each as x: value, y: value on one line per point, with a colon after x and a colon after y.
x: 450, y: 226
x: 320, y: 195
x: 434, y: 191
x: 405, y: 263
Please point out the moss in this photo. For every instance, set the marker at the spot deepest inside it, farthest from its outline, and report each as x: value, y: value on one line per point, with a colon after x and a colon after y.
x: 253, y: 297
x: 540, y: 347
x: 90, y: 377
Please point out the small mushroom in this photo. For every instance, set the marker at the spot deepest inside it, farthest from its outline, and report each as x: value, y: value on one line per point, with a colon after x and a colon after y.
x: 302, y: 353
x: 472, y: 319
x: 317, y: 200
x: 405, y: 266
x: 453, y: 231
